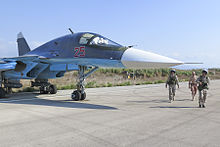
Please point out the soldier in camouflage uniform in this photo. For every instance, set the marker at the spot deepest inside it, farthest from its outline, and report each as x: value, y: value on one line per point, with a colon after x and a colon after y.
x: 172, y: 81
x: 203, y: 82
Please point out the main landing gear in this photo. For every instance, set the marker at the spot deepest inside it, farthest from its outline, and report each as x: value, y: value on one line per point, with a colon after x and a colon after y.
x: 45, y: 86
x: 79, y: 93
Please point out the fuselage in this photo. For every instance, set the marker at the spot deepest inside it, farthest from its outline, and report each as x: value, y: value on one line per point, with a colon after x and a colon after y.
x: 63, y: 54
x: 87, y: 48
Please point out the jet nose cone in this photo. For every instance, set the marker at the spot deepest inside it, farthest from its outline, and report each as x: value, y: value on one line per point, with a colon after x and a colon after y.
x: 139, y: 59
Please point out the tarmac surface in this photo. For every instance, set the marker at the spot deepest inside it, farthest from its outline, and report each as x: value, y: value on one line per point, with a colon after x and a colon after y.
x: 118, y: 116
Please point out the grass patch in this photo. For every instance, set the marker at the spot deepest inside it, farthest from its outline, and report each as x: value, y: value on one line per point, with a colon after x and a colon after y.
x: 124, y: 84
x: 28, y: 89
x: 73, y: 86
x: 159, y: 81
x: 146, y: 83
x: 91, y: 84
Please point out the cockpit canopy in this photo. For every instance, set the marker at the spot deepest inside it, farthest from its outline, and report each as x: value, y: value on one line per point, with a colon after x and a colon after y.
x: 94, y: 40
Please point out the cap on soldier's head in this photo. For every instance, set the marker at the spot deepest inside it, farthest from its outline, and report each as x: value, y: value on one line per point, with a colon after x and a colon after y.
x: 173, y: 70
x: 205, y: 70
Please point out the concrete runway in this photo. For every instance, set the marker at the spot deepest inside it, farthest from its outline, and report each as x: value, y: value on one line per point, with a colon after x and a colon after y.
x: 118, y: 116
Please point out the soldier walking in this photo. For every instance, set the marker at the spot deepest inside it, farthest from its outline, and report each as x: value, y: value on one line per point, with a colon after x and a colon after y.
x: 172, y: 81
x: 203, y: 83
x: 193, y: 85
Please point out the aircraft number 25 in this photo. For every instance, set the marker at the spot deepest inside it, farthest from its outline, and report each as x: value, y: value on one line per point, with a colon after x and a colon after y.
x: 79, y: 51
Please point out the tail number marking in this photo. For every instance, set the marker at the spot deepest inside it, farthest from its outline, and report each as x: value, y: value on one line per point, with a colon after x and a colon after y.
x: 79, y: 51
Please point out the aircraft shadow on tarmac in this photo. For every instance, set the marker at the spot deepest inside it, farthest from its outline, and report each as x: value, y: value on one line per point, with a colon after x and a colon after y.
x: 55, y: 103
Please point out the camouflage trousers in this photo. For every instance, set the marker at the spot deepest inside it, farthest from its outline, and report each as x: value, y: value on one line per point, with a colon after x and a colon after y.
x: 172, y: 91
x: 202, y: 96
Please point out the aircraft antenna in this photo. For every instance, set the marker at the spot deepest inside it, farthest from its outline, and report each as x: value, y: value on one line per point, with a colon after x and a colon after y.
x: 71, y: 31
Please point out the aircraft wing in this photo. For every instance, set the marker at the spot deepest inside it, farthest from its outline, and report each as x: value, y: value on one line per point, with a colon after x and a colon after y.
x: 4, y: 66
x: 12, y: 63
x: 21, y: 58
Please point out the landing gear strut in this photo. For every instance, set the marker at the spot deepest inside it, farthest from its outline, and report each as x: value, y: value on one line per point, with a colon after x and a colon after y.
x: 79, y: 93
x: 45, y: 86
x: 2, y: 91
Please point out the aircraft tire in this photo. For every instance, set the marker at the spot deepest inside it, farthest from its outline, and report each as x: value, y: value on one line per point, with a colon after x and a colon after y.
x: 83, y: 96
x: 76, y: 95
x: 53, y: 89
x: 42, y: 91
x: 2, y: 92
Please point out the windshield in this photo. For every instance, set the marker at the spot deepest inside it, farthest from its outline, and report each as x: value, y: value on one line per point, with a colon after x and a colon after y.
x: 97, y: 41
x: 85, y: 38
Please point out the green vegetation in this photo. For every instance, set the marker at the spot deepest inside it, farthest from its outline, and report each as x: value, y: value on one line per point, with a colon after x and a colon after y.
x: 124, y: 84
x: 124, y: 77
x: 91, y: 84
x: 67, y: 87
x: 144, y: 73
x: 28, y: 89
x: 147, y: 72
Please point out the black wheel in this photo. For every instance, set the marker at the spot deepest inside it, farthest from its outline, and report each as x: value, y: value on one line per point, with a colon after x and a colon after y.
x: 2, y: 92
x: 43, y: 91
x: 53, y: 89
x: 76, y: 95
x: 83, y: 96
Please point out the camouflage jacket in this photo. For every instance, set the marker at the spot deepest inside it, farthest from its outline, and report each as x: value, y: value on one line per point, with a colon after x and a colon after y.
x: 203, y: 82
x: 172, y: 80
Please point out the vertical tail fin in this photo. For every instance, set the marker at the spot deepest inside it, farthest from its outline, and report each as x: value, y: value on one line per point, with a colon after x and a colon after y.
x: 23, y: 47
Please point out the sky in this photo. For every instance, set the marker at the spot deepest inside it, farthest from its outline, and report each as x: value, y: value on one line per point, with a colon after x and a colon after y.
x: 186, y: 30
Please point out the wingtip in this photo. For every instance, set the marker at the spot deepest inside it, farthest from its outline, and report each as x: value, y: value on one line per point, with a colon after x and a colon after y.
x: 20, y: 35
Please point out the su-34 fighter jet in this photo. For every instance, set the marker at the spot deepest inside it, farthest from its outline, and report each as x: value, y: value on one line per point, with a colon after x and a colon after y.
x: 83, y: 52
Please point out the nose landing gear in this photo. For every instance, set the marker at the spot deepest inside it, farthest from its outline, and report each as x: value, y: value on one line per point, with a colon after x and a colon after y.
x: 79, y: 93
